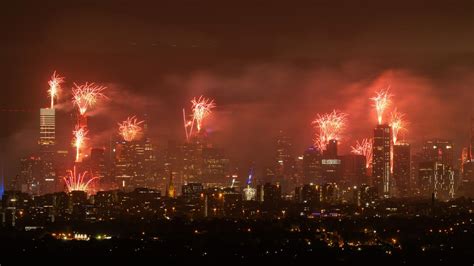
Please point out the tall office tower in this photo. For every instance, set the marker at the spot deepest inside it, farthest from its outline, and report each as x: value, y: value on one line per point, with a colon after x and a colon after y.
x: 331, y: 164
x: 402, y: 168
x: 438, y: 150
x: 436, y: 179
x: 353, y: 170
x: 129, y: 164
x: 215, y: 169
x: 150, y: 160
x: 47, y: 142
x: 47, y: 138
x: 171, y: 166
x: 98, y: 169
x: 471, y: 146
x: 285, y: 163
x: 331, y: 148
x: 381, y: 159
x: 312, y: 171
x: 192, y: 161
x: 31, y: 174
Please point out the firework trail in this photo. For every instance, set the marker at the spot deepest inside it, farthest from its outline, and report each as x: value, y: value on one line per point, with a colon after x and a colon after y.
x: 397, y: 123
x: 364, y: 148
x: 85, y: 96
x: 130, y: 128
x: 328, y: 126
x: 80, y: 134
x: 201, y: 109
x: 77, y: 181
x: 54, y: 87
x: 381, y: 102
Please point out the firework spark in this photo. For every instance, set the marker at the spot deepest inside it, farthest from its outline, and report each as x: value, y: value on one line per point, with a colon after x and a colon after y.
x: 364, y: 148
x: 130, y: 129
x: 381, y: 102
x: 397, y: 123
x: 80, y: 134
x: 78, y: 181
x: 85, y: 96
x: 54, y: 87
x: 201, y: 109
x: 328, y: 126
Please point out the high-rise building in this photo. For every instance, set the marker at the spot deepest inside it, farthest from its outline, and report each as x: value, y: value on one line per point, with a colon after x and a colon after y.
x: 312, y: 171
x: 129, y: 164
x: 331, y: 164
x: 215, y: 167
x: 98, y: 169
x: 381, y: 163
x: 436, y: 179
x: 402, y: 168
x: 47, y: 138
x: 47, y: 142
x: 353, y: 170
x: 31, y: 173
x: 192, y: 161
x: 285, y: 162
x: 438, y: 150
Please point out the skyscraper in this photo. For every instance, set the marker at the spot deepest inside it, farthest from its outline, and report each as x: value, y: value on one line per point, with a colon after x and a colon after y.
x: 353, y: 170
x: 402, y: 168
x: 436, y: 179
x: 439, y: 150
x: 285, y: 162
x: 312, y: 171
x: 381, y: 159
x: 331, y: 164
x: 47, y: 138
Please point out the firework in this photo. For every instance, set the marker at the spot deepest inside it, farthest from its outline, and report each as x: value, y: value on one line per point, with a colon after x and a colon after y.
x: 130, y: 128
x: 54, y: 87
x: 328, y: 127
x: 78, y: 181
x: 381, y: 102
x: 364, y: 148
x: 397, y: 124
x: 201, y: 109
x: 80, y: 134
x: 85, y: 96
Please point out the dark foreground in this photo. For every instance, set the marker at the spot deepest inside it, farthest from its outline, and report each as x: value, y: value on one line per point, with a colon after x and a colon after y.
x: 338, y: 240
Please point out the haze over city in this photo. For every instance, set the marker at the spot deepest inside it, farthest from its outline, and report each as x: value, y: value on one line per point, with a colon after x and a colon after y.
x: 211, y: 110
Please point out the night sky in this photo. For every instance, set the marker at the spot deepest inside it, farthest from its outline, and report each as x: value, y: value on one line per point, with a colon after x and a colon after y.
x: 269, y: 65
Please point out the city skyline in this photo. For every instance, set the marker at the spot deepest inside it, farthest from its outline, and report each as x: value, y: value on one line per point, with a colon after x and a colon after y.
x: 238, y: 131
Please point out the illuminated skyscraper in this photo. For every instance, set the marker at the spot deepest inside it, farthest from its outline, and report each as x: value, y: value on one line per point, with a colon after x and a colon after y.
x: 438, y: 150
x: 436, y: 179
x: 331, y: 164
x: 353, y: 170
x: 402, y: 168
x: 47, y: 138
x: 381, y: 159
x: 215, y: 167
x: 285, y: 162
x: 312, y: 171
